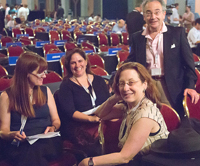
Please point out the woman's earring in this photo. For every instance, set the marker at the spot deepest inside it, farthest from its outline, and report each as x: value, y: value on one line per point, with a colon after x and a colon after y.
x: 144, y: 90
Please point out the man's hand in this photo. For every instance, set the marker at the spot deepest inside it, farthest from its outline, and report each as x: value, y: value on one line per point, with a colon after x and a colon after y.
x: 193, y: 94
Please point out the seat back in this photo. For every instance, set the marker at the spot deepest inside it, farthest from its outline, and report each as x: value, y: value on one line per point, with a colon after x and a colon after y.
x: 95, y: 59
x: 70, y: 46
x: 98, y: 71
x: 51, y: 77
x: 65, y: 35
x: 54, y: 50
x: 170, y: 116
x: 191, y: 110
x: 3, y: 71
x: 122, y: 55
x: 29, y: 31
x: 25, y: 41
x: 104, y: 48
x: 14, y: 51
x: 102, y: 39
x: 114, y: 38
x: 196, y: 58
x: 88, y: 45
x: 197, y: 86
x: 109, y: 132
x: 6, y: 39
x: 77, y: 34
x: 5, y: 83
x: 125, y: 38
x: 48, y: 47
x: 16, y: 31
x: 53, y: 35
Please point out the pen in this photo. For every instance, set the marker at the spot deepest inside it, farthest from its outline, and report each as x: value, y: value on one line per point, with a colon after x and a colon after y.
x: 15, y: 142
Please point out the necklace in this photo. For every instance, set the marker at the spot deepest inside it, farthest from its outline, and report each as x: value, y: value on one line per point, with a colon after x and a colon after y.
x: 134, y: 108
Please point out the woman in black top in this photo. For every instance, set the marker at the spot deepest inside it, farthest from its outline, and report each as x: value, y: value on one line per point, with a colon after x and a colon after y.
x: 80, y: 92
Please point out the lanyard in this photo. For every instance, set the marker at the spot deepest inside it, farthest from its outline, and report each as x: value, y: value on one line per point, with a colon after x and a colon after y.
x: 156, y: 56
x: 93, y: 96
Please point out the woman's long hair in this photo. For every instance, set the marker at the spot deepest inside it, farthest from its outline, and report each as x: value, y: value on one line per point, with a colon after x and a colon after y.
x: 151, y: 92
x: 68, y: 59
x: 19, y: 98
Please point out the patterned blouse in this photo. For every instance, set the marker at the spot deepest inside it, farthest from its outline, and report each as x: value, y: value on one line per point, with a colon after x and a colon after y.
x: 145, y: 109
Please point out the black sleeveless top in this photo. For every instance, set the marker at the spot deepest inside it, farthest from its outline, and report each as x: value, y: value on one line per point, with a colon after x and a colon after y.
x: 35, y: 125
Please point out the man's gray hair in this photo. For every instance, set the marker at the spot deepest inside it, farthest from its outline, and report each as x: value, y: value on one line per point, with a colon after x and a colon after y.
x: 147, y: 1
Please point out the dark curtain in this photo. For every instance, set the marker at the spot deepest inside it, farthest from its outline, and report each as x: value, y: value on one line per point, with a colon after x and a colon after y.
x: 115, y: 9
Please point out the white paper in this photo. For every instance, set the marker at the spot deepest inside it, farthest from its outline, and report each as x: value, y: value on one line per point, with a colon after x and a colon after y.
x: 32, y: 139
x: 91, y: 111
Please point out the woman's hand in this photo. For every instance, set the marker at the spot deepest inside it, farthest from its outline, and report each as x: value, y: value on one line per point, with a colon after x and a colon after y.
x: 17, y: 136
x: 49, y: 129
x: 94, y: 118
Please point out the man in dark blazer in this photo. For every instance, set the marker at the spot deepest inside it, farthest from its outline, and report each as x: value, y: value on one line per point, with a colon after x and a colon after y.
x: 168, y: 46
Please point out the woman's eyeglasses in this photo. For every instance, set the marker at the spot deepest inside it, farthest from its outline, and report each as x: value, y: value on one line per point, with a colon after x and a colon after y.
x: 129, y: 83
x: 40, y: 75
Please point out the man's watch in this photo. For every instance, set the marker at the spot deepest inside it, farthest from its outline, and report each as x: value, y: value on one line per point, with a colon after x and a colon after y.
x: 90, y: 162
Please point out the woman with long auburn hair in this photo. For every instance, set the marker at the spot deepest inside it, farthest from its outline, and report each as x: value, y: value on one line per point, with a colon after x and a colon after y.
x: 27, y: 108
x: 142, y: 122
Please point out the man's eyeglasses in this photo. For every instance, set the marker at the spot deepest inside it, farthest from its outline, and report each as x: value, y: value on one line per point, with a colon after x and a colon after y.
x: 129, y: 83
x: 156, y: 13
x: 41, y: 74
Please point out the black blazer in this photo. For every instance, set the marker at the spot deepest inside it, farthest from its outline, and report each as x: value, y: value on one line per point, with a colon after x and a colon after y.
x: 134, y: 21
x: 179, y: 69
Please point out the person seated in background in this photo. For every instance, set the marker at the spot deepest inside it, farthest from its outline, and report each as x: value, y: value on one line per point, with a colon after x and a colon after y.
x: 17, y: 23
x: 119, y: 27
x: 27, y: 108
x: 142, y: 122
x: 194, y: 35
x: 79, y: 96
x: 91, y: 18
x: 97, y: 18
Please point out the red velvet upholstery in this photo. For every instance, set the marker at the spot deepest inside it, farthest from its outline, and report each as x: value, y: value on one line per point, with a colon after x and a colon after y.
x: 104, y: 48
x: 67, y: 26
x: 70, y: 46
x: 48, y: 47
x: 16, y: 31
x: 125, y: 38
x: 89, y: 45
x: 197, y: 88
x: 15, y: 51
x: 53, y: 35
x: 196, y: 58
x: 51, y: 77
x: 98, y: 70
x: 191, y: 110
x: 3, y: 71
x: 114, y: 38
x: 66, y: 35
x: 29, y: 31
x: 76, y: 34
x: 5, y: 83
x: 103, y: 39
x: 95, y: 59
x: 122, y: 55
x: 6, y: 39
x: 54, y: 50
x: 110, y: 131
x: 170, y: 116
x: 26, y: 41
